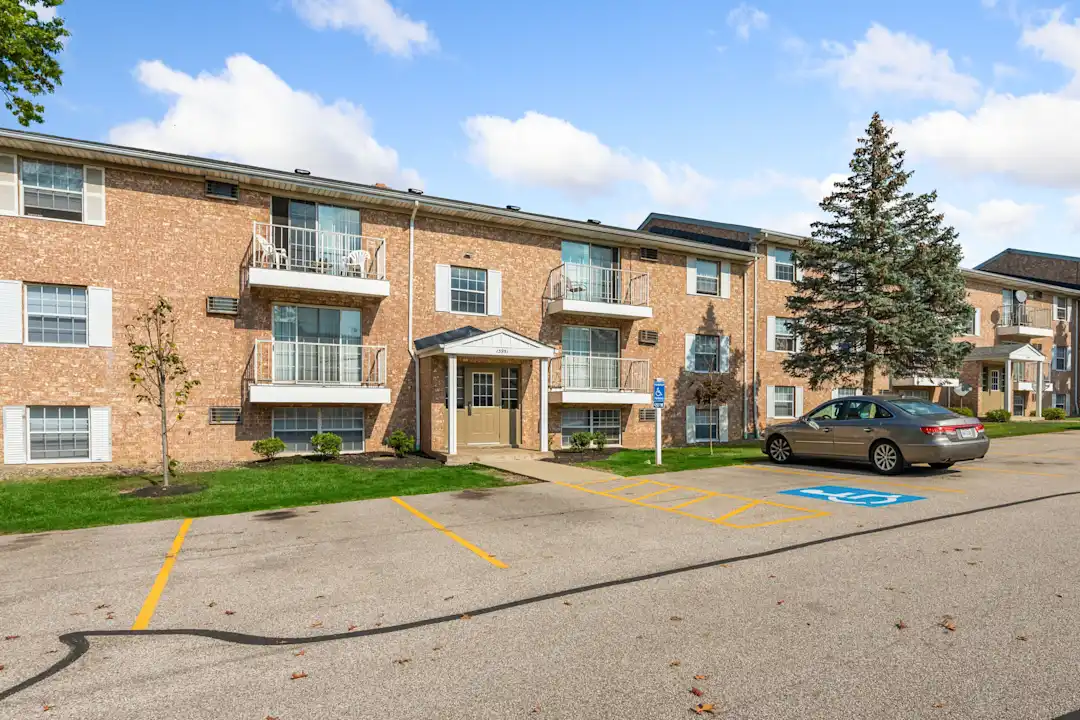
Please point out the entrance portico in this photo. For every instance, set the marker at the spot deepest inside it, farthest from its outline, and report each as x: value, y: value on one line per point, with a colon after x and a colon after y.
x: 1011, y: 376
x: 487, y: 385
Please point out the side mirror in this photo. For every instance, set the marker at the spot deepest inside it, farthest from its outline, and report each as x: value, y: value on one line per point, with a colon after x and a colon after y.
x: 811, y: 423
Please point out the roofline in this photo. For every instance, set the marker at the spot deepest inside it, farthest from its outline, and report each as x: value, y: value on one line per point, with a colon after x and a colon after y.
x: 1020, y: 282
x: 402, y: 200
x: 441, y: 348
x: 1033, y: 253
x: 756, y: 233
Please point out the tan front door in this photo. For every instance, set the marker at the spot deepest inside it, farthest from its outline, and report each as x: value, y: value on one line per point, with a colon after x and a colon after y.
x: 490, y: 415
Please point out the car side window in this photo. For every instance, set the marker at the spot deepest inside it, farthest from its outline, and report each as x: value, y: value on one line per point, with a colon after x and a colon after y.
x: 828, y: 412
x: 881, y: 412
x: 864, y: 410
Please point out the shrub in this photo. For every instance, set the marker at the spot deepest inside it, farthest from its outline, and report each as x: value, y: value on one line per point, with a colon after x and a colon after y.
x: 1033, y: 414
x: 599, y: 440
x: 580, y: 441
x: 268, y: 447
x: 999, y: 415
x: 1053, y: 414
x: 966, y: 412
x: 326, y: 445
x: 401, y: 443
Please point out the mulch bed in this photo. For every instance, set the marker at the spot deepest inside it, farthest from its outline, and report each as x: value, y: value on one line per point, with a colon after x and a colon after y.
x: 375, y: 460
x: 571, y: 457
x: 158, y: 491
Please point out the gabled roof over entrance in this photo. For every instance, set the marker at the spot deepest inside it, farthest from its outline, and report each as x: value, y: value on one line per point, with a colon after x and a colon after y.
x: 1006, y: 351
x: 471, y: 341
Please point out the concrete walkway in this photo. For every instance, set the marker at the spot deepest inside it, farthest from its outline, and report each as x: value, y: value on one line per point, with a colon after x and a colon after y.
x: 550, y: 472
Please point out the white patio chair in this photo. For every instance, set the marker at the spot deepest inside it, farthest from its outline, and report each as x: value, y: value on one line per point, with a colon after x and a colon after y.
x: 356, y: 263
x: 270, y: 255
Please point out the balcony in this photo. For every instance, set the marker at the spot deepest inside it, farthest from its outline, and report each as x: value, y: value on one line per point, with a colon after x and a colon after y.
x: 594, y: 380
x: 288, y: 373
x: 924, y: 382
x: 1022, y: 322
x: 302, y: 259
x: 575, y: 289
x: 1025, y: 377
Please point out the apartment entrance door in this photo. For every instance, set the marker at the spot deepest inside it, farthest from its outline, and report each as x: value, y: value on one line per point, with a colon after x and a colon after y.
x: 480, y: 421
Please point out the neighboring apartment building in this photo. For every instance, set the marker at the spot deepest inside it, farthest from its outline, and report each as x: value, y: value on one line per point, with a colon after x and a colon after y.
x: 308, y: 304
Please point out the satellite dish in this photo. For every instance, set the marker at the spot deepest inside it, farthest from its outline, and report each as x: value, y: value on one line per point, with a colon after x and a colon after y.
x: 963, y: 389
x: 1021, y: 296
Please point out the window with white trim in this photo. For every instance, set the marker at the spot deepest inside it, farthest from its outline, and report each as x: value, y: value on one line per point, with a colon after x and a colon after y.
x: 56, y: 314
x: 1061, y: 357
x: 971, y: 329
x: 1061, y: 308
x: 52, y: 190
x: 59, y: 433
x: 707, y: 424
x: 706, y: 353
x: 296, y: 426
x: 1061, y: 401
x: 468, y: 290
x: 708, y: 277
x: 784, y: 401
x: 605, y: 421
x: 785, y: 336
x: 846, y: 392
x: 785, y: 264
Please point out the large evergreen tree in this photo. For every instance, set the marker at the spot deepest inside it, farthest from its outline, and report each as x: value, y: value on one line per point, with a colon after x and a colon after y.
x: 881, y: 288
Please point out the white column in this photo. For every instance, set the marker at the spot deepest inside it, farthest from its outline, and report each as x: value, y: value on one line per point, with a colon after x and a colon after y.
x: 1008, y: 386
x: 543, y: 405
x: 451, y: 403
x: 1039, y: 388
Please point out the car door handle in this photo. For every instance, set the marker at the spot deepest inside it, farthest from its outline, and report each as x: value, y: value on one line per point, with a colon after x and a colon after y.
x: 868, y: 429
x: 825, y: 430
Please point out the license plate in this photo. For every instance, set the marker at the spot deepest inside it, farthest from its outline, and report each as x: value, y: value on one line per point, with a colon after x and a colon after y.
x: 968, y: 433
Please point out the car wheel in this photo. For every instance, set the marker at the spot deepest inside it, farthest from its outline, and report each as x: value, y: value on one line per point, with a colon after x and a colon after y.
x: 941, y: 466
x: 779, y: 449
x: 886, y: 458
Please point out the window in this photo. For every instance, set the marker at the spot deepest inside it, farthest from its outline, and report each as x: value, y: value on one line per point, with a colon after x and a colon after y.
x: 590, y: 358
x: 785, y: 264
x: 1061, y: 401
x: 707, y: 424
x: 864, y: 410
x: 828, y: 412
x: 317, y: 345
x: 706, y: 353
x: 56, y: 314
x: 984, y: 379
x: 708, y: 277
x: 1061, y: 357
x: 785, y: 336
x: 605, y: 421
x: 468, y: 290
x: 460, y: 387
x: 52, y: 190
x: 509, y: 385
x: 224, y: 416
x: 784, y: 401
x: 995, y: 380
x: 295, y: 426
x: 1061, y: 308
x: 972, y: 329
x: 847, y: 392
x: 59, y: 433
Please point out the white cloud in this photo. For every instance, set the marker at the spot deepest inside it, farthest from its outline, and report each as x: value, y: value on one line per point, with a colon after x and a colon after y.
x: 1072, y: 211
x: 768, y: 181
x: 1057, y: 42
x: 45, y: 14
x: 989, y: 4
x: 248, y: 114
x: 885, y: 62
x: 993, y: 226
x: 745, y: 18
x: 547, y: 151
x: 381, y: 23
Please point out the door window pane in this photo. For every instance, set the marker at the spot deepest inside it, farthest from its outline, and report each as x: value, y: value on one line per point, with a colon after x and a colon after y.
x: 509, y: 388
x: 483, y: 389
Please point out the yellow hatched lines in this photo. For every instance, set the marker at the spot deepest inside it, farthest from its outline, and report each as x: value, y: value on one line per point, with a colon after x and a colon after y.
x: 677, y: 509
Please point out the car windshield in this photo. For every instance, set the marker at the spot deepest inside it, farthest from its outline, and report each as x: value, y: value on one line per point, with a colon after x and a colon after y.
x: 921, y: 407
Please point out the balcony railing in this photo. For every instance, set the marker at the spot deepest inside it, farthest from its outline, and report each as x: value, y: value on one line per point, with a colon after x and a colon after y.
x: 282, y: 362
x: 592, y: 372
x: 592, y: 283
x: 1023, y: 315
x: 280, y: 247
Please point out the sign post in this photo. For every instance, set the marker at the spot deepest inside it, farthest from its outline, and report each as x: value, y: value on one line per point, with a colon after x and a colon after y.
x: 659, y: 392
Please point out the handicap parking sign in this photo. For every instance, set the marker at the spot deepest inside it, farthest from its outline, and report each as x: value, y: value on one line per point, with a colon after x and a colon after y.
x: 658, y: 393
x: 852, y: 496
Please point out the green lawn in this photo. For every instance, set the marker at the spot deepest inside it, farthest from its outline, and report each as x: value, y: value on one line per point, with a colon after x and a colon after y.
x: 63, y: 504
x: 640, y: 462
x: 1012, y: 429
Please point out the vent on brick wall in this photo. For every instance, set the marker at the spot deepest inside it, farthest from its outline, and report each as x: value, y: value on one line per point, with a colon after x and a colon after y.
x: 217, y: 305
x: 222, y: 190
x: 647, y: 253
x: 1036, y: 295
x: 648, y: 337
x: 224, y: 416
x: 646, y: 415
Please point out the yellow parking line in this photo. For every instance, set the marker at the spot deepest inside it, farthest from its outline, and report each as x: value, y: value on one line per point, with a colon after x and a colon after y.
x: 451, y: 534
x: 691, y: 502
x: 669, y: 488
x: 627, y: 487
x: 142, y: 620
x: 736, y: 511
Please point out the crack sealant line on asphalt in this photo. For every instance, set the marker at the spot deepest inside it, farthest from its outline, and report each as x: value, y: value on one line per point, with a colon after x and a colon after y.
x: 79, y: 642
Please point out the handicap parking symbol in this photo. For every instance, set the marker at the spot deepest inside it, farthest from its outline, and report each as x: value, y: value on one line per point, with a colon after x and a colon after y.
x: 852, y: 496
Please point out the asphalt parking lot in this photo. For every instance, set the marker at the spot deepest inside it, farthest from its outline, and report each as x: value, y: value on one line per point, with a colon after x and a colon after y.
x: 611, y: 599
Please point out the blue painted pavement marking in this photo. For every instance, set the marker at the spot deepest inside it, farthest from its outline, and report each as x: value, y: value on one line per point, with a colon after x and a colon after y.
x: 852, y: 496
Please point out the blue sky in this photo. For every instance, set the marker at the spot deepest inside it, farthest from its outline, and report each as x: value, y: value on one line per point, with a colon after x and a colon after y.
x: 733, y: 111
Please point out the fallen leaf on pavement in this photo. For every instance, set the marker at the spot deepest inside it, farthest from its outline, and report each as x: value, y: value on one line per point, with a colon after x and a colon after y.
x: 378, y: 624
x: 779, y: 602
x: 697, y: 692
x: 976, y: 548
x: 466, y: 616
x: 448, y: 597
x: 352, y: 627
x: 674, y: 663
x: 703, y: 708
x: 939, y: 705
x: 102, y: 606
x: 211, y: 604
x: 1, y: 668
x: 316, y: 624
x: 299, y: 653
x: 566, y: 602
x: 271, y: 717
x: 230, y: 612
x: 11, y: 637
x: 536, y: 709
x: 948, y: 624
x: 46, y: 708
x: 772, y: 576
x: 401, y: 661
x: 1018, y: 637
x: 973, y: 562
x: 901, y: 625
x: 299, y: 675
x: 110, y: 616
x: 1059, y: 595
x: 319, y: 597
x: 700, y: 677
x: 675, y: 618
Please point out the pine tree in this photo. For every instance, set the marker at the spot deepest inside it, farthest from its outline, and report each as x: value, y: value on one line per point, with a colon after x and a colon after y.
x: 881, y: 287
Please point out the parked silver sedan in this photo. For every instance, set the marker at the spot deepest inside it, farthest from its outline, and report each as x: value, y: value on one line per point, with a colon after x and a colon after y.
x: 890, y: 434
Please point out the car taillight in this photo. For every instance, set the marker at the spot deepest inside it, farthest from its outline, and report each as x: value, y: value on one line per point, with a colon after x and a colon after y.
x: 935, y: 430
x: 946, y: 429
x: 980, y: 427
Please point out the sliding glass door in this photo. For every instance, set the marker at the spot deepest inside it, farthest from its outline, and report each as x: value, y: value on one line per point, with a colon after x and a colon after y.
x: 317, y: 345
x: 322, y: 236
x: 590, y: 358
x: 591, y: 271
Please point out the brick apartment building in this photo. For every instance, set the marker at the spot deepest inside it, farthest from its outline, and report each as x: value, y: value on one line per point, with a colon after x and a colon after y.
x: 311, y: 304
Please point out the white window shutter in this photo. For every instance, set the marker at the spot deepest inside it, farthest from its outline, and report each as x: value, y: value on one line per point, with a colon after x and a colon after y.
x: 690, y: 337
x: 725, y: 279
x: 93, y: 195
x: 798, y: 266
x: 835, y: 393
x: 770, y: 401
x: 11, y: 311
x: 100, y: 333
x: 14, y: 435
x: 442, y: 288
x: 798, y: 400
x: 978, y: 322
x: 9, y: 184
x: 770, y: 333
x: 100, y: 434
x: 1068, y: 359
x: 494, y: 292
x: 691, y: 424
x: 723, y: 350
x: 691, y: 275
x: 722, y: 423
x: 770, y: 263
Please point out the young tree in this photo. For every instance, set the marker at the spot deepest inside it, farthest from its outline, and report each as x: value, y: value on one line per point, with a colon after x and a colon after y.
x: 31, y: 37
x: 715, y: 388
x: 881, y: 288
x: 158, y: 373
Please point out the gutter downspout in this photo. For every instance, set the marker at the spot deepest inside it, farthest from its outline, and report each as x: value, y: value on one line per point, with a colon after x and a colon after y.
x: 754, y: 380
x: 1074, y: 357
x: 412, y: 349
x: 746, y: 425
